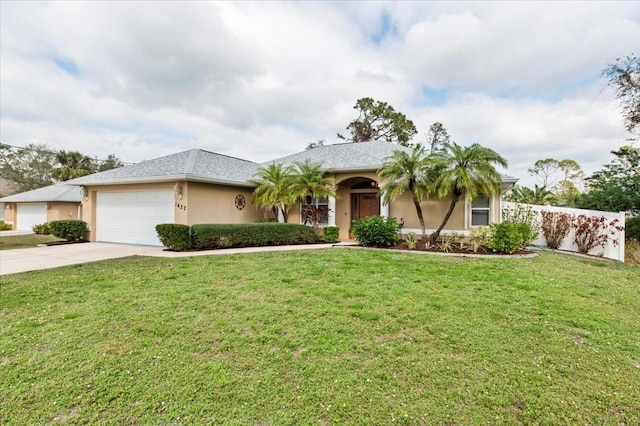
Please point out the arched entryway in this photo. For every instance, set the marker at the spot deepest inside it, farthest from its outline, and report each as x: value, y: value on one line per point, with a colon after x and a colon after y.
x: 358, y: 197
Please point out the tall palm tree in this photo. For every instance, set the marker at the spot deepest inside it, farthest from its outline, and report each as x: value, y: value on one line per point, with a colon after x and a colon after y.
x: 461, y: 170
x: 73, y: 164
x: 407, y: 171
x: 273, y: 189
x: 539, y: 195
x: 309, y: 181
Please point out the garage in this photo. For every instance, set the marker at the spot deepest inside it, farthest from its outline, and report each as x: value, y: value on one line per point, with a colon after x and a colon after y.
x: 131, y: 217
x: 30, y: 214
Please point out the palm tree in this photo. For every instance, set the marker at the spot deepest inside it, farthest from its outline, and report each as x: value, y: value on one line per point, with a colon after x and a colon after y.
x: 310, y: 181
x: 73, y: 164
x: 406, y: 171
x: 461, y: 170
x: 539, y: 195
x: 273, y: 189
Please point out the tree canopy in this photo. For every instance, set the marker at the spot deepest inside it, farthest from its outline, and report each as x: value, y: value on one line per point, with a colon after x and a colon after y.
x: 617, y: 186
x: 38, y: 165
x: 379, y: 121
x: 624, y: 77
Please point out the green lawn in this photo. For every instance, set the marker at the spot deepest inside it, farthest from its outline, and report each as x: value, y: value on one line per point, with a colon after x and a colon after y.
x: 334, y: 336
x: 12, y: 242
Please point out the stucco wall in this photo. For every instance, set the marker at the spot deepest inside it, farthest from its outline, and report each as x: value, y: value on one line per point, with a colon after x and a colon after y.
x: 62, y: 211
x: 206, y: 203
x: 10, y: 214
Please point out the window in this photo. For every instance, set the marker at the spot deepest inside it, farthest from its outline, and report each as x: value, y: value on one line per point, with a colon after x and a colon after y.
x: 480, y: 211
x: 315, y: 209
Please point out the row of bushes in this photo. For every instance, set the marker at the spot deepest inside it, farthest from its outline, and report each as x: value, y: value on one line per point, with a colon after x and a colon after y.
x: 215, y: 236
x: 507, y: 237
x: 70, y: 230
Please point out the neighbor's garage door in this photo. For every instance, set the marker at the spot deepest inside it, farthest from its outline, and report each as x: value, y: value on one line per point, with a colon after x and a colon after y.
x: 30, y: 214
x: 131, y: 216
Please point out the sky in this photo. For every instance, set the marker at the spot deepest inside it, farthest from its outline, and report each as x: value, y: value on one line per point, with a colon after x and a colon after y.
x: 261, y: 80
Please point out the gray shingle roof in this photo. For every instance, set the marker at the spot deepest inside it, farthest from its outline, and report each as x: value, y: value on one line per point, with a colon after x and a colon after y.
x: 60, y: 193
x: 345, y: 156
x: 193, y: 165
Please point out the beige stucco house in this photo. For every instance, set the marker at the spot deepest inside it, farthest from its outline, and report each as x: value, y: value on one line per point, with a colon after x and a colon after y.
x: 196, y: 186
x: 42, y: 205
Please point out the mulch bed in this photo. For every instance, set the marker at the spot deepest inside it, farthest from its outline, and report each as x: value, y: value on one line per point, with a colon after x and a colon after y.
x: 64, y: 243
x: 456, y: 248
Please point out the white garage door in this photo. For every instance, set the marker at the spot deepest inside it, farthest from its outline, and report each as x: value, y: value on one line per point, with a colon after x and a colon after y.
x: 30, y: 214
x: 131, y: 216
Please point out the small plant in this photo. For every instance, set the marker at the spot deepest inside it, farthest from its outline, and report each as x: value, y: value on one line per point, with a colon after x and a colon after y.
x: 428, y: 245
x: 479, y: 237
x: 376, y: 231
x: 41, y: 229
x: 411, y: 240
x: 445, y: 244
x: 555, y: 227
x: 593, y: 231
x: 4, y: 226
x: 331, y: 234
x: 526, y: 219
x: 505, y: 238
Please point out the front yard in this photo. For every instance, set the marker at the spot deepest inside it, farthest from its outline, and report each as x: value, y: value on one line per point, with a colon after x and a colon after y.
x: 12, y: 242
x: 333, y: 336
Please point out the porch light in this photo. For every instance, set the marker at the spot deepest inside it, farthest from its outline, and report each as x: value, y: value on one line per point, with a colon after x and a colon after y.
x: 84, y: 192
x: 177, y: 189
x: 374, y: 184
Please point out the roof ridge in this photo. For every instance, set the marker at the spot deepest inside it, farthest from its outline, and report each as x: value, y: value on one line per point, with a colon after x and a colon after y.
x: 191, y: 161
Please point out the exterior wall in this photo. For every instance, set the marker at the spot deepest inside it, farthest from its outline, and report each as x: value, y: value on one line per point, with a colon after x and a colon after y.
x: 89, y: 202
x: 55, y: 211
x: 10, y: 214
x: 206, y: 203
x: 62, y: 211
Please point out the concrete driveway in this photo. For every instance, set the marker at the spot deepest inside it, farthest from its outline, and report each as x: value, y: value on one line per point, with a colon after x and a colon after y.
x: 31, y: 259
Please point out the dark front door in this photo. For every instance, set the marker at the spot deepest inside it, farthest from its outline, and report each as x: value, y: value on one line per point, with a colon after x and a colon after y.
x: 364, y: 205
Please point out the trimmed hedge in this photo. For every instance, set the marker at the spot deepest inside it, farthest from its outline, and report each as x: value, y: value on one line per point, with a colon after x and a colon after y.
x: 70, y: 230
x: 175, y: 236
x: 508, y: 237
x: 41, y: 229
x: 331, y: 234
x: 216, y: 236
x: 376, y: 231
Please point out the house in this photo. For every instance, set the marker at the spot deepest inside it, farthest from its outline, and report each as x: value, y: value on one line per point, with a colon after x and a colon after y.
x: 54, y: 202
x: 123, y: 205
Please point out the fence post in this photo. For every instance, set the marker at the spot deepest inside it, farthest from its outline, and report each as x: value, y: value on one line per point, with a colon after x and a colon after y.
x: 621, y: 236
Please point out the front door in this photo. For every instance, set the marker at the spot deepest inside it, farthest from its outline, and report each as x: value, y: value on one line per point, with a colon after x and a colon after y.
x: 364, y: 205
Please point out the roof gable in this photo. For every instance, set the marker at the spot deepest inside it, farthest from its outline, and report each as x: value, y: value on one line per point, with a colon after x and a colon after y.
x: 51, y: 193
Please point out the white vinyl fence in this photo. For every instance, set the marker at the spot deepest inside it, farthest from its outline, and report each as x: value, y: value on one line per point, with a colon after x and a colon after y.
x: 610, y: 251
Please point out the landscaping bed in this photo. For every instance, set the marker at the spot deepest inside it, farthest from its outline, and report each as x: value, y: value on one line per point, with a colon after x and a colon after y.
x: 457, y: 248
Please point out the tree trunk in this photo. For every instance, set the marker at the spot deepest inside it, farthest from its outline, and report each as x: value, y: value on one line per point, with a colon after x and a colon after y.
x: 436, y: 233
x: 420, y: 217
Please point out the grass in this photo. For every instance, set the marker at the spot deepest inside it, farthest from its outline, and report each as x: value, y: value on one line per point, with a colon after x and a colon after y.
x: 12, y: 242
x: 334, y: 336
x: 632, y: 252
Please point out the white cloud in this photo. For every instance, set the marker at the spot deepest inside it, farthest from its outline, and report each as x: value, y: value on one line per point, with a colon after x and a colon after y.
x: 261, y: 80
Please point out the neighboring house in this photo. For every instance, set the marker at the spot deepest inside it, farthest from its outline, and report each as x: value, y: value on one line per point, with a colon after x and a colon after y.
x: 54, y: 202
x: 123, y: 205
x: 6, y: 188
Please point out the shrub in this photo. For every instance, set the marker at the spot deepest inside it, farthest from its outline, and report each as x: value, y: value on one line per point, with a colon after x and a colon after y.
x: 505, y: 238
x: 411, y: 240
x: 632, y: 231
x: 70, y: 230
x: 4, y: 226
x: 175, y: 236
x: 526, y: 219
x: 376, y: 231
x: 331, y: 234
x: 592, y: 231
x: 42, y: 229
x: 212, y: 236
x: 555, y: 227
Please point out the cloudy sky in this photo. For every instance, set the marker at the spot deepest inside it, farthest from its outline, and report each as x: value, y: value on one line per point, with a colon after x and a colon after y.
x: 262, y: 80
